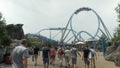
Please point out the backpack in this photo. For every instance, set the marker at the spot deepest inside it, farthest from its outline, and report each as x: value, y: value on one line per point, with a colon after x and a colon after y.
x: 60, y: 51
x: 92, y: 53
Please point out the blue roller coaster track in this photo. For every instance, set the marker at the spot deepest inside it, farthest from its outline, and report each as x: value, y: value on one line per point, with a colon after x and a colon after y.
x: 100, y: 23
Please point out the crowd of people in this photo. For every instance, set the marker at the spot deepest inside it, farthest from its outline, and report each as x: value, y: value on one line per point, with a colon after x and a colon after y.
x: 20, y: 55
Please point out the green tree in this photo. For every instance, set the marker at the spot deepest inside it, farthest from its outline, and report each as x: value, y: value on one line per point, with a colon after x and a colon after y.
x: 4, y: 38
x: 49, y: 43
x: 117, y: 30
x: 118, y: 12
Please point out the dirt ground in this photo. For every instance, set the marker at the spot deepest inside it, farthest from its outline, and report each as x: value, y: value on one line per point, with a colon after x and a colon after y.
x: 100, y: 63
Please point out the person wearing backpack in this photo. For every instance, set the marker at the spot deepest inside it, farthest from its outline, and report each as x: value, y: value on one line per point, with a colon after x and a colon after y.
x: 92, y: 57
x: 60, y: 55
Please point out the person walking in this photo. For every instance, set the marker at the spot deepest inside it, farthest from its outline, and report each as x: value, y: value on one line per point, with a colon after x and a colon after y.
x: 52, y: 55
x: 85, y: 57
x: 46, y: 56
x: 19, y: 55
x: 92, y: 57
x: 60, y: 54
x: 74, y: 53
x: 36, y: 52
x: 67, y: 56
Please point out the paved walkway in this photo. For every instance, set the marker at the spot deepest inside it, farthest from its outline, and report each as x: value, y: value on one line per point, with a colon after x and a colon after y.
x: 100, y: 63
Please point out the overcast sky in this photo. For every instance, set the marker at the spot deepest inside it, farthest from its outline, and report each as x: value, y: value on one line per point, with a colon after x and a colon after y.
x: 41, y: 14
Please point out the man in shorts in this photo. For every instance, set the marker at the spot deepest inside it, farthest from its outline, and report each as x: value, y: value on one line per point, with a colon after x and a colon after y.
x: 36, y: 52
x: 67, y: 56
x: 85, y: 57
x: 92, y: 57
x: 46, y: 55
x: 74, y: 53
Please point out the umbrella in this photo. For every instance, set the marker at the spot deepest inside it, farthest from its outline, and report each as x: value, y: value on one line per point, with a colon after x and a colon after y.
x: 80, y: 43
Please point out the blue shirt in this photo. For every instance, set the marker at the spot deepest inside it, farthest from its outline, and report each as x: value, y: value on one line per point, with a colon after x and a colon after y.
x: 45, y: 52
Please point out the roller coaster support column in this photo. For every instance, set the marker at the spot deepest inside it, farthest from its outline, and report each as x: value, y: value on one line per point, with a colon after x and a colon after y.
x: 103, y: 46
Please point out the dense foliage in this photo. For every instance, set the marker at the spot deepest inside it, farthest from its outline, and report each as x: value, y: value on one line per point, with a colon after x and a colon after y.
x: 4, y: 38
x: 117, y: 31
